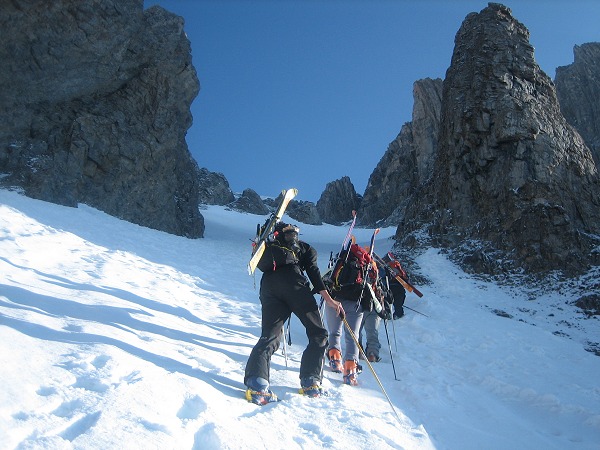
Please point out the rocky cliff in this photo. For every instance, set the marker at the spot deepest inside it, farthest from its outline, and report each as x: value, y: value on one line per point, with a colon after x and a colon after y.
x: 408, y: 161
x: 337, y: 201
x: 94, y: 107
x: 578, y: 90
x: 213, y: 188
x: 510, y: 173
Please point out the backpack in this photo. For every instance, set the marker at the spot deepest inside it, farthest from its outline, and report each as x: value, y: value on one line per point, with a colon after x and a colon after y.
x: 276, y: 255
x: 347, y: 278
x: 351, y: 266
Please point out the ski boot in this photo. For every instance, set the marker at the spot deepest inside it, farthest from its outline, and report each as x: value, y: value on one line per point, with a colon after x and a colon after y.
x: 335, y: 360
x: 351, y: 372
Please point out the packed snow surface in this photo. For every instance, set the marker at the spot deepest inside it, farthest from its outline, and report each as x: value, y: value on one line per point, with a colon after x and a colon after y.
x: 115, y: 336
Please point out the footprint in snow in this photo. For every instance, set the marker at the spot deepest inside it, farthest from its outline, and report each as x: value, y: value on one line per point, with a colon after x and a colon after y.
x: 68, y: 409
x: 100, y: 361
x: 46, y: 391
x: 80, y: 426
x: 90, y: 383
x: 132, y: 378
x: 192, y: 408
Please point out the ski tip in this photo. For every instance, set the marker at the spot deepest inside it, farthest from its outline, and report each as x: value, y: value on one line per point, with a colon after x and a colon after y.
x: 291, y: 192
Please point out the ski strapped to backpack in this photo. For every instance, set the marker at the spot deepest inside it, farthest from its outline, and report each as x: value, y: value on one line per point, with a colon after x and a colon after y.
x: 352, y: 273
x: 388, y: 260
x: 262, y: 233
x: 376, y: 303
x: 347, y: 240
x: 334, y: 262
x: 349, y: 233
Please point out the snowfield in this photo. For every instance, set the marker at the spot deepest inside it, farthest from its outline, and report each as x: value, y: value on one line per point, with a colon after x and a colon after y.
x: 115, y: 336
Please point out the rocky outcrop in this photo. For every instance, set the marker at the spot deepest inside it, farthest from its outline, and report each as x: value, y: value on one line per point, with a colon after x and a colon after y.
x: 213, y: 188
x: 578, y: 90
x: 337, y: 201
x: 300, y: 210
x: 305, y: 212
x: 250, y: 202
x: 509, y: 173
x: 94, y: 106
x: 408, y: 161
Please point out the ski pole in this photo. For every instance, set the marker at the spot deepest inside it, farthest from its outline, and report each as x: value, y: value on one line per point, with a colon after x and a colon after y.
x: 394, y: 331
x: 289, y: 331
x: 284, y: 347
x: 322, y: 314
x: 287, y: 339
x: 390, y: 348
x: 416, y: 311
x: 362, y: 352
x: 322, y: 310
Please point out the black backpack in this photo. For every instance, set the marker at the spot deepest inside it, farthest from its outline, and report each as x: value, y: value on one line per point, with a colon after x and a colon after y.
x: 277, y: 254
x: 347, y: 278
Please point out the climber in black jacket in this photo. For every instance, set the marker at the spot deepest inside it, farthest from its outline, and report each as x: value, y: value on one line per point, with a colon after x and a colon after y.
x: 285, y: 290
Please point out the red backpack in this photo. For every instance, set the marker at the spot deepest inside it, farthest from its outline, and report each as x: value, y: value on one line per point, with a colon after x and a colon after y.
x: 350, y: 267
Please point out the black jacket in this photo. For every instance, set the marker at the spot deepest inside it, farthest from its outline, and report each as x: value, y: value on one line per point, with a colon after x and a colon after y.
x: 279, y: 259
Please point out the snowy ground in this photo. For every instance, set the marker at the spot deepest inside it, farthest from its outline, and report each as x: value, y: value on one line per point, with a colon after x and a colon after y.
x: 115, y: 336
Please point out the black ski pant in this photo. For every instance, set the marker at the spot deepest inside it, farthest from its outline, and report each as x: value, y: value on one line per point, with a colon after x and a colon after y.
x: 282, y: 293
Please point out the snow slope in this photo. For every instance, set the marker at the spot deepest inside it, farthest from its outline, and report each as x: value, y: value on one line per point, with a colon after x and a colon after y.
x: 115, y: 336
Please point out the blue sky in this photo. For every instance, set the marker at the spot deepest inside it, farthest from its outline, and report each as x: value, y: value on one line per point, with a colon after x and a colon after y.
x: 301, y: 93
